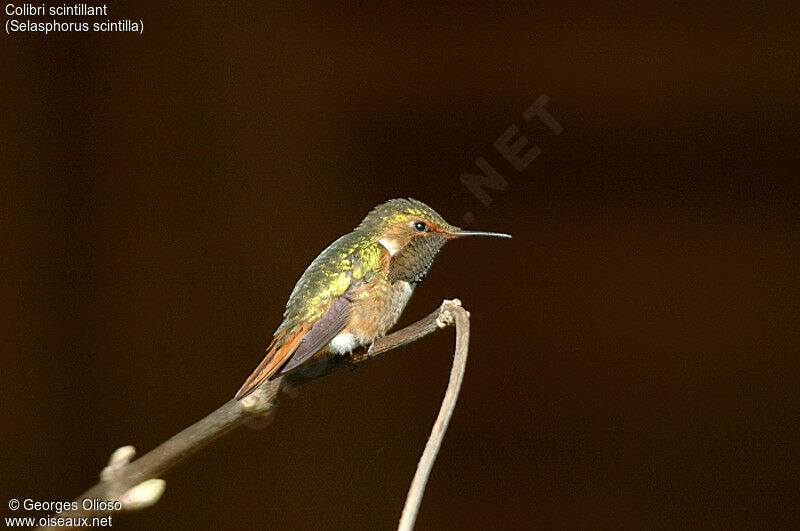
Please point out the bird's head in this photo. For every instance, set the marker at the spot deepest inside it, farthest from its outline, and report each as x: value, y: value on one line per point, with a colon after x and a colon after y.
x: 413, y: 234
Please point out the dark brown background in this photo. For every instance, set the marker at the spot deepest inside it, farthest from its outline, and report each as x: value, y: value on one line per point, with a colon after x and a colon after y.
x: 635, y: 347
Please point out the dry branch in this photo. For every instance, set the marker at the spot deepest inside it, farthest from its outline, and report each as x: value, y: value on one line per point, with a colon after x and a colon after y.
x: 135, y: 483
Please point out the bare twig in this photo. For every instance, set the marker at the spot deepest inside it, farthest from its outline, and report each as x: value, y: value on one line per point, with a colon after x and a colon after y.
x: 417, y: 489
x: 134, y: 484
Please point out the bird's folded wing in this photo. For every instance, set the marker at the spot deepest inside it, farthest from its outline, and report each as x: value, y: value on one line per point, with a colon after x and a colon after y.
x: 329, y: 325
x: 290, y: 350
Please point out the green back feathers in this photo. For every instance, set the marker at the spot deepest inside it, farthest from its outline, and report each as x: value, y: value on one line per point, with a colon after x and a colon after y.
x: 329, y: 276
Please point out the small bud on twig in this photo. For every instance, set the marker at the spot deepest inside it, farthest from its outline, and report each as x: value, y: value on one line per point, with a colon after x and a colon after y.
x: 143, y: 495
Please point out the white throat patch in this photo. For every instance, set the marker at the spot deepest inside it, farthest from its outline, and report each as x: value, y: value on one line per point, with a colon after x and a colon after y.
x: 392, y: 247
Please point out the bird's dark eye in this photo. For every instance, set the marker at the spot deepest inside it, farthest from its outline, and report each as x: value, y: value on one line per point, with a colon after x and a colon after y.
x: 420, y: 226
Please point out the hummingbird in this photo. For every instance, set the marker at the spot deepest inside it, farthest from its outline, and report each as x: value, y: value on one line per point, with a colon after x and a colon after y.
x: 356, y: 289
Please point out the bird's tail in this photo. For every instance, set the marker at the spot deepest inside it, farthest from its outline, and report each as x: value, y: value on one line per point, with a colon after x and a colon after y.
x: 278, y: 353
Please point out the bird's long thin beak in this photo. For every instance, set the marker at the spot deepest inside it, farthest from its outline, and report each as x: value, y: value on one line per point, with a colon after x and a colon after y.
x: 462, y: 233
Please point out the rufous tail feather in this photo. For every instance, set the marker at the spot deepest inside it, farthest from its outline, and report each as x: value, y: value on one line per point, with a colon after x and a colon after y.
x: 276, y: 357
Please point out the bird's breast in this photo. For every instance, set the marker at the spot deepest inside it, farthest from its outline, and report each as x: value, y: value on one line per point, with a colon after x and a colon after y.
x: 400, y: 294
x: 374, y: 315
